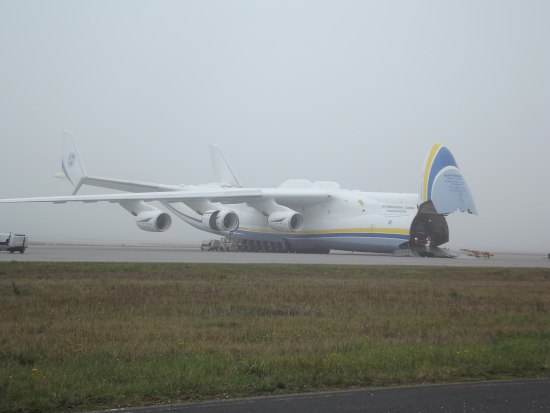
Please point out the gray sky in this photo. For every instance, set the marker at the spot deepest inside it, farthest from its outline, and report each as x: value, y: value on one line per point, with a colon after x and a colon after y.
x: 350, y: 91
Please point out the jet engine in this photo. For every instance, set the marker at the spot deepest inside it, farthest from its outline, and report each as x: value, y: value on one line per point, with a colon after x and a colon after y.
x: 153, y: 221
x: 221, y: 220
x: 286, y: 221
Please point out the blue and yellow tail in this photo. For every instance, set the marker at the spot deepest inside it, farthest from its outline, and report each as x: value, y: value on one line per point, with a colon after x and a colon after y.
x: 443, y: 183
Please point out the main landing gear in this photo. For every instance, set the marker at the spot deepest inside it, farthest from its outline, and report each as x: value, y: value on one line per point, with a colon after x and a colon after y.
x: 274, y: 247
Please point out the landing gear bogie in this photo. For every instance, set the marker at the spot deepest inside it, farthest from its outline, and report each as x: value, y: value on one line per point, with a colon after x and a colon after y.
x: 262, y: 246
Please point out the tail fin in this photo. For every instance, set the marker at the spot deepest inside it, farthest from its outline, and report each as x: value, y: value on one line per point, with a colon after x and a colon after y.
x: 443, y: 183
x: 223, y: 172
x: 72, y: 168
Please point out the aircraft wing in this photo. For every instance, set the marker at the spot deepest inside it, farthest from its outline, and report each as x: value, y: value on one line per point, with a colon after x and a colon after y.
x: 282, y: 196
x: 125, y: 185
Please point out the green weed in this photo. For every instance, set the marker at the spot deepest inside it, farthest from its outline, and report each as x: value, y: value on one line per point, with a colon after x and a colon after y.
x: 105, y: 335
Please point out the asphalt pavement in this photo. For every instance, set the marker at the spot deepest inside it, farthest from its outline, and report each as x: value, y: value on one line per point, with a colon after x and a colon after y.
x: 506, y: 396
x: 114, y: 253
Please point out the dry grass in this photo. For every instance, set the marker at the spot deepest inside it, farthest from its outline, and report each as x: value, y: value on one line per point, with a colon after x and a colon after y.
x: 89, y: 335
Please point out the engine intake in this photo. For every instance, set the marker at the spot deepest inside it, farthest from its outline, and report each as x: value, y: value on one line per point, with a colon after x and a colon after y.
x: 286, y: 221
x: 221, y: 220
x: 153, y: 221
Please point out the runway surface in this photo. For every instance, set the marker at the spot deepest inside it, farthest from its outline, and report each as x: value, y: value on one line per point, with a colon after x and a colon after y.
x: 176, y: 254
x: 512, y: 396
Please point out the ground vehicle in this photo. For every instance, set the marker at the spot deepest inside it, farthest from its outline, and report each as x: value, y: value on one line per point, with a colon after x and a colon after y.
x: 13, y: 242
x: 229, y: 244
x: 210, y: 245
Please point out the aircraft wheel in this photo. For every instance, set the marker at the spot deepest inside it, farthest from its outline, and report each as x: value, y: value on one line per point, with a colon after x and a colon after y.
x: 12, y: 251
x: 22, y: 251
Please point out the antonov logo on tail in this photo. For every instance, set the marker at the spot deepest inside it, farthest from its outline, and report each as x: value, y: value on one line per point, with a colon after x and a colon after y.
x: 297, y: 216
x: 71, y: 159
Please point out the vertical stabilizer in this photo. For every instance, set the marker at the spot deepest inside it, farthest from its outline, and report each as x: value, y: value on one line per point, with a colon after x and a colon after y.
x: 72, y: 168
x: 223, y: 173
x: 443, y: 183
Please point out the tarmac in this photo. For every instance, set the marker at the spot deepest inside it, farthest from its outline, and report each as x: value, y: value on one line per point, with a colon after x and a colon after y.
x: 115, y: 253
x: 505, y: 396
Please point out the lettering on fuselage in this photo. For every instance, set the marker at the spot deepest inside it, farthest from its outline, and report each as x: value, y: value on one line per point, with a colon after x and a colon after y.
x: 398, y: 208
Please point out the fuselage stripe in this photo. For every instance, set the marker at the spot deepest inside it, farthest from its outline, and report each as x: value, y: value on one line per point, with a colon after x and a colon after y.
x: 186, y: 217
x: 391, y: 233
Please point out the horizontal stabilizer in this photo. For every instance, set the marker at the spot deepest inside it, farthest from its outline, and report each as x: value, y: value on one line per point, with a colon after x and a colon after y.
x: 444, y: 184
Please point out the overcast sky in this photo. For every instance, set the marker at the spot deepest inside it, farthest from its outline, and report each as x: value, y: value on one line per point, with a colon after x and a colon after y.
x: 349, y: 91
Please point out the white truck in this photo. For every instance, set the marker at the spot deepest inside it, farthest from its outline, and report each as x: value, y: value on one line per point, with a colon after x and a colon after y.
x: 13, y: 242
x: 210, y: 245
x: 229, y: 244
x: 225, y: 244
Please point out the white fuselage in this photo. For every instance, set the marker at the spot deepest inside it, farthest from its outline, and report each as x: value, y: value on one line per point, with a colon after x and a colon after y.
x: 346, y: 220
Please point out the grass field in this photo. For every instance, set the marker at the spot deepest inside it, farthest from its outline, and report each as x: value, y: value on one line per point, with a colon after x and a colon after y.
x: 94, y: 335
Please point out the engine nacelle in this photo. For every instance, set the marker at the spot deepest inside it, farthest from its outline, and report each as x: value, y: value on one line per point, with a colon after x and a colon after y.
x: 221, y: 220
x: 286, y: 221
x: 153, y: 221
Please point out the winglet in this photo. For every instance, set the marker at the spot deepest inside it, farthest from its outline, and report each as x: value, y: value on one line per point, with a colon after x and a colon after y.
x: 223, y: 172
x: 443, y: 183
x: 72, y: 168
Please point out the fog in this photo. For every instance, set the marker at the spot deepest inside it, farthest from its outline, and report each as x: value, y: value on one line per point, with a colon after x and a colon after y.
x: 354, y: 92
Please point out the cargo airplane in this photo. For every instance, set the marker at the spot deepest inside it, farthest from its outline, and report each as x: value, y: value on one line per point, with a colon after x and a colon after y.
x: 298, y: 216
